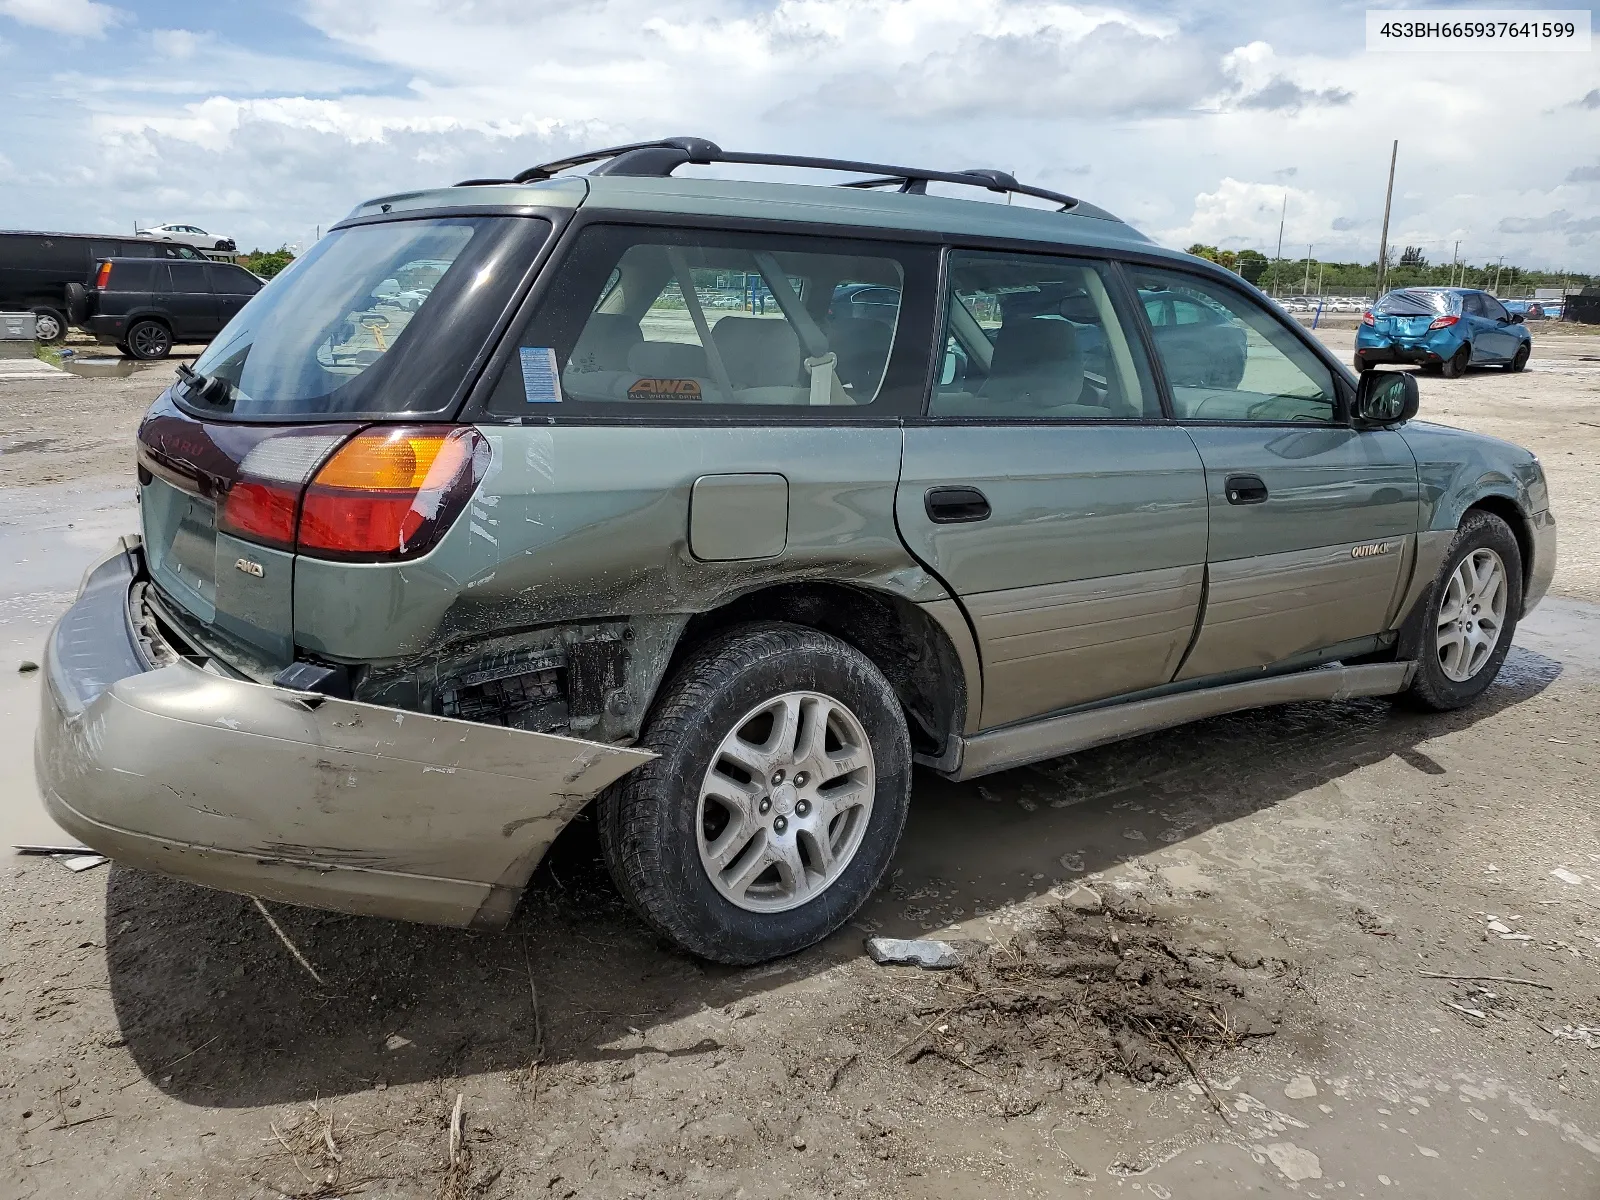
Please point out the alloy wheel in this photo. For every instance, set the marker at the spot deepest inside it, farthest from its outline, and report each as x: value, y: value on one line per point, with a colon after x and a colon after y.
x: 785, y: 802
x: 149, y: 341
x: 1472, y: 615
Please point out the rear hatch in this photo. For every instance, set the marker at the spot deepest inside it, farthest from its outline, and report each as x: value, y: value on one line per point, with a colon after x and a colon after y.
x: 318, y: 422
x: 1408, y: 313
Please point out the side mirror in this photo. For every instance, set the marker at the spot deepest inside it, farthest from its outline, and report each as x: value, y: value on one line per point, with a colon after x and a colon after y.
x: 1517, y: 318
x: 1386, y: 398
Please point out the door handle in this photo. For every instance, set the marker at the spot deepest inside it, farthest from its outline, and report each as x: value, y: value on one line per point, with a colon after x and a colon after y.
x: 953, y: 505
x: 1245, y: 489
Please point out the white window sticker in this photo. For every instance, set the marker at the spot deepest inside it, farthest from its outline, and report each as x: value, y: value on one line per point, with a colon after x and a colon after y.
x: 541, y: 380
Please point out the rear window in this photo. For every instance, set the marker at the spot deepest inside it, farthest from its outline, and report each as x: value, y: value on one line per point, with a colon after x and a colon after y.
x: 1408, y: 302
x: 374, y: 319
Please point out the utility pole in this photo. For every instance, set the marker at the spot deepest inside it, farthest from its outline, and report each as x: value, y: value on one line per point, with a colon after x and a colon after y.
x: 1455, y: 257
x: 1499, y: 266
x: 1319, y: 277
x: 1388, y: 200
x: 1305, y: 288
x: 1278, y: 258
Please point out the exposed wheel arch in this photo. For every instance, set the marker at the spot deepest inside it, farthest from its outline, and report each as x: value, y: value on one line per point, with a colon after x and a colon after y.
x: 1511, y: 513
x: 909, y: 646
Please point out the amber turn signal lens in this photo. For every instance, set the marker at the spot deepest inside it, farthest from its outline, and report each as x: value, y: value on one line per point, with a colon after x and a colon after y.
x: 381, y: 460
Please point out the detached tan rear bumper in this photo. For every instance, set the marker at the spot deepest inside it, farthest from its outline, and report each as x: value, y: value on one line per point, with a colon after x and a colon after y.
x: 292, y: 796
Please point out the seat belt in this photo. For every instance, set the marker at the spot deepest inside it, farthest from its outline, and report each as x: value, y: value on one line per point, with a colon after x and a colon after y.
x: 680, y: 271
x: 820, y: 361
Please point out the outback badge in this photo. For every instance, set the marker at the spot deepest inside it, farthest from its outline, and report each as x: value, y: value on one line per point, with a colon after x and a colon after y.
x: 250, y: 568
x: 1370, y: 549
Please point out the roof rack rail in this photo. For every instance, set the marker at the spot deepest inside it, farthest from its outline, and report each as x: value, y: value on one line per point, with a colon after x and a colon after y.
x: 658, y: 159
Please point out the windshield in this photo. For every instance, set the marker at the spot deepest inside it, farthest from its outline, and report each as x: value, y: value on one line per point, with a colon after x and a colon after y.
x: 1413, y: 302
x: 374, y: 319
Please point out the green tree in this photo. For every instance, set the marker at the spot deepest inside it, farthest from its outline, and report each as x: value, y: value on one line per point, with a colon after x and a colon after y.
x: 1251, y: 264
x: 267, y: 263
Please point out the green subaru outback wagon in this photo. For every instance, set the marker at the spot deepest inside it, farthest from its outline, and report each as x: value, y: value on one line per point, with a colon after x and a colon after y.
x: 720, y: 505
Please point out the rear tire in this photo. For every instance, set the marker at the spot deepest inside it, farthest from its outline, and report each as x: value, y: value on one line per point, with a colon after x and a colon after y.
x: 1519, y: 360
x: 1455, y: 615
x: 1359, y: 363
x: 678, y: 850
x: 1455, y: 366
x: 149, y: 340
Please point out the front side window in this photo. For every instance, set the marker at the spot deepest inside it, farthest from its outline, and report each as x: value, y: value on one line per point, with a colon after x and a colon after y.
x: 640, y: 320
x: 1231, y: 360
x: 1036, y: 338
x: 1492, y: 308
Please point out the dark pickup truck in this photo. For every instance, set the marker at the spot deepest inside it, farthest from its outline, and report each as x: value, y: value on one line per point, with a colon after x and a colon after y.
x: 144, y: 306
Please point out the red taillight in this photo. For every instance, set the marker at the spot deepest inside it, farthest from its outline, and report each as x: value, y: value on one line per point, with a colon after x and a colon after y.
x: 262, y: 512
x: 391, y: 492
x: 1444, y: 322
x: 103, y: 277
x: 1368, y: 319
x: 263, y: 502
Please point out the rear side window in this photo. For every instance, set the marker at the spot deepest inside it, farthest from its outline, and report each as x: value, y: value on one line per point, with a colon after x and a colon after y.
x: 1236, y: 361
x: 640, y: 321
x: 138, y: 277
x: 382, y: 319
x: 1038, y: 338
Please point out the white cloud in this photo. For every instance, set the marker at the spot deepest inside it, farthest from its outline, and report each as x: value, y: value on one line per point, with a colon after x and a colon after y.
x: 1190, y: 133
x: 81, y: 18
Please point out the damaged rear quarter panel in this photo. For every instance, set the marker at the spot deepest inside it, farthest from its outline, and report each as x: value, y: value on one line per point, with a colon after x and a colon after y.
x: 580, y: 523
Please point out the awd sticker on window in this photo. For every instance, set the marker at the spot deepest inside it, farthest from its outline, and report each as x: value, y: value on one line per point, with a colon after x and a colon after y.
x: 665, y: 389
x: 541, y: 380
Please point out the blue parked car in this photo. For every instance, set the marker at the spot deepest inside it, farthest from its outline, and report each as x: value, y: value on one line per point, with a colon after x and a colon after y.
x: 1448, y: 328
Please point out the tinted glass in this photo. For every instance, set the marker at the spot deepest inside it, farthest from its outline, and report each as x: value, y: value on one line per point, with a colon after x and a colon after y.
x: 1492, y: 308
x: 134, y: 277
x: 647, y: 319
x: 381, y: 318
x: 232, y: 281
x: 1236, y: 361
x: 189, y: 277
x: 1412, y: 302
x: 1038, y: 338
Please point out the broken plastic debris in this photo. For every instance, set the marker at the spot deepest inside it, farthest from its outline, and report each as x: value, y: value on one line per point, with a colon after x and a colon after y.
x: 1495, y: 926
x: 27, y: 665
x: 51, y: 849
x: 85, y: 862
x: 922, y: 952
x: 1567, y: 876
x: 395, y: 1042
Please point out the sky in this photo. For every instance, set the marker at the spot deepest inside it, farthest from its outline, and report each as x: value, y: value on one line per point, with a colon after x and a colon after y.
x: 1193, y: 121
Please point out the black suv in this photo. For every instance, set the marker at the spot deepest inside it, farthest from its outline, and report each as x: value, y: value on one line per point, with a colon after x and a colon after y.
x: 36, y: 268
x: 143, y: 306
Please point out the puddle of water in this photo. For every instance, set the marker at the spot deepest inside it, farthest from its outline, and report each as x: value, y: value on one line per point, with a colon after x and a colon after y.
x: 1566, y: 630
x: 48, y: 537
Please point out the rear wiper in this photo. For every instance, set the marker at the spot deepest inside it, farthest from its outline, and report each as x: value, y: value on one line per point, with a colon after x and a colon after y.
x: 211, y: 389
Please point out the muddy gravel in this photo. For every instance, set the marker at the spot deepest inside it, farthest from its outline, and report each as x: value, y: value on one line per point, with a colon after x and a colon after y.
x: 1320, y: 950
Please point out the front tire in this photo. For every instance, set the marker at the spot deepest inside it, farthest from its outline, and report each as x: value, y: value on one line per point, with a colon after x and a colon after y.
x: 1461, y: 633
x: 1519, y: 360
x: 1455, y: 366
x: 777, y: 800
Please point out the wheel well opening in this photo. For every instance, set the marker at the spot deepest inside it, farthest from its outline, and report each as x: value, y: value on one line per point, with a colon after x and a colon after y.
x: 908, y: 646
x: 1506, y: 509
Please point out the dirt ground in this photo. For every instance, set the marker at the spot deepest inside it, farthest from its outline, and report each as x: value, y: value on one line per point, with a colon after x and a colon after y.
x: 1203, y: 963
